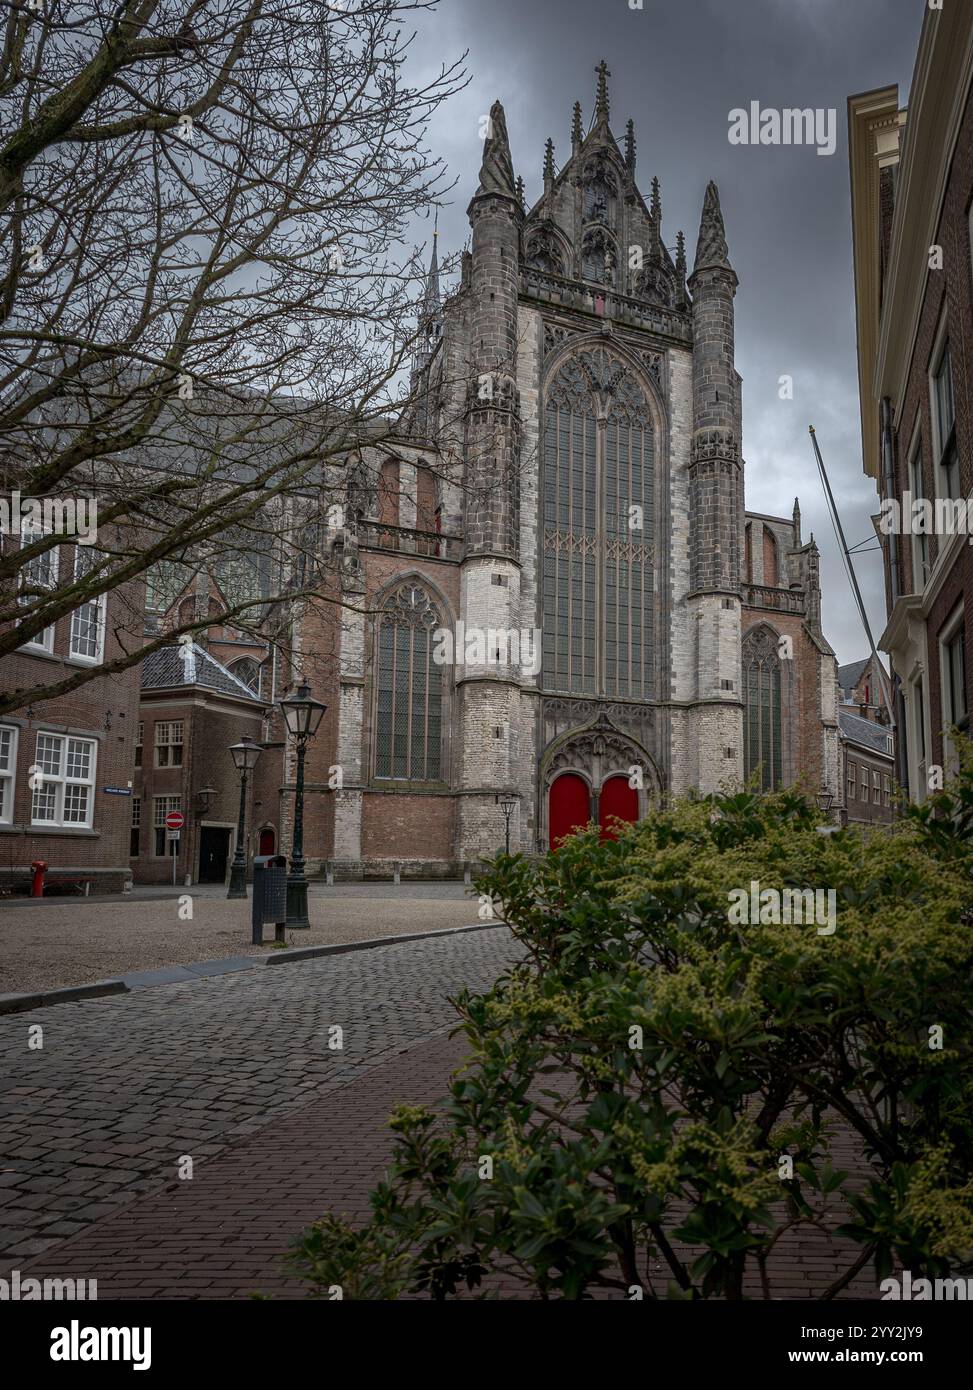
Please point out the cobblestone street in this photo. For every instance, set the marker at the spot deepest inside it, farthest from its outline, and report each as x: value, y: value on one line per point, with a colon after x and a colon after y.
x: 49, y: 943
x: 125, y: 1086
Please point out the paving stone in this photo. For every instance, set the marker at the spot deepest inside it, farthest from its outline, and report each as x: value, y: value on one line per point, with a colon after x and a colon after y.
x: 127, y: 1084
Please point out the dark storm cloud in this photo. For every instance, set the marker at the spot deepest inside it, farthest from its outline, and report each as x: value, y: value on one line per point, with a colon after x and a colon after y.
x: 678, y: 69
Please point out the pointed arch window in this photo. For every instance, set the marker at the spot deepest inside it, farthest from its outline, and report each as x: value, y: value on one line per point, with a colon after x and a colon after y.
x: 409, y: 723
x: 598, y: 529
x: 598, y: 258
x: 762, y: 742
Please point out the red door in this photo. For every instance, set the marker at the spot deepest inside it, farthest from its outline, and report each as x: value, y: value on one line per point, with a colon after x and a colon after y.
x: 617, y: 799
x: 569, y: 806
x: 266, y: 842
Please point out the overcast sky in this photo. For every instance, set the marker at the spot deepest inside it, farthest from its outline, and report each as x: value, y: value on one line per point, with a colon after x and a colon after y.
x: 678, y: 67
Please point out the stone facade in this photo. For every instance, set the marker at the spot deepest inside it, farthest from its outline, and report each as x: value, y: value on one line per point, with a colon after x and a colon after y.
x: 576, y: 300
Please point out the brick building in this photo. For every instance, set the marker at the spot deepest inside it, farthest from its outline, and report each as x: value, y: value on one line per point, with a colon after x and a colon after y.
x: 869, y: 767
x: 912, y: 219
x: 67, y: 764
x: 867, y: 743
x: 551, y: 587
x: 192, y: 710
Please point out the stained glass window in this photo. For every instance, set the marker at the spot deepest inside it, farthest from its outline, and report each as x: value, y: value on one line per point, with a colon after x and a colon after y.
x: 597, y: 531
x: 408, y: 743
x: 762, y: 721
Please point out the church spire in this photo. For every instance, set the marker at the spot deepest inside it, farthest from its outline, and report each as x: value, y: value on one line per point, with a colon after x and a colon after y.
x: 431, y: 300
x: 601, y: 100
x: 711, y: 249
x: 497, y: 170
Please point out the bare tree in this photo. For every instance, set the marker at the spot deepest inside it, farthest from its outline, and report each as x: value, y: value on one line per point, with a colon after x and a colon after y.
x: 207, y: 293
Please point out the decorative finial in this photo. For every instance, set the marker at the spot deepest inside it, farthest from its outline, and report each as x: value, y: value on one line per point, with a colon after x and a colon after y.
x: 601, y: 101
x: 519, y: 189
x: 656, y: 208
x: 549, y: 159
x: 711, y: 249
x: 497, y: 170
x: 576, y: 125
x: 680, y: 270
x: 630, y: 146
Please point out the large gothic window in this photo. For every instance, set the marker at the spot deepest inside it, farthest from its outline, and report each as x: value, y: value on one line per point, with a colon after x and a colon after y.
x: 762, y: 743
x: 408, y: 740
x: 598, y: 531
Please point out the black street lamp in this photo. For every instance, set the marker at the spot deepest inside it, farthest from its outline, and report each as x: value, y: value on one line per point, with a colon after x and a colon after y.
x: 245, y: 755
x: 506, y: 804
x: 302, y: 715
x: 825, y: 798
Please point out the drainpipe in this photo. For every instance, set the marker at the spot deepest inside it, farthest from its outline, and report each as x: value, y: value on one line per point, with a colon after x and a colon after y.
x: 888, y: 490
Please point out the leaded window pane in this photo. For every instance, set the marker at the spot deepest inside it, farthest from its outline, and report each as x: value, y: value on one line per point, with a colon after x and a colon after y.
x: 408, y: 741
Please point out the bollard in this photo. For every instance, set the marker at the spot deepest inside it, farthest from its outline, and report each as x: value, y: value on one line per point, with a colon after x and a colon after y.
x: 329, y: 873
x: 467, y: 875
x: 37, y: 882
x: 396, y: 873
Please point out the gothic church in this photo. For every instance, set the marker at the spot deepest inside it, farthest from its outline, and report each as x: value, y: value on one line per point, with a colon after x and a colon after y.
x: 572, y: 478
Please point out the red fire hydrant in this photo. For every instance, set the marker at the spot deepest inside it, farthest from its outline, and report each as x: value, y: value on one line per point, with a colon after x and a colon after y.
x: 37, y: 882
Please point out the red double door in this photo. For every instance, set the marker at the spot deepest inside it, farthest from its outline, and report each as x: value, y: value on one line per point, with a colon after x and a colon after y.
x: 569, y: 805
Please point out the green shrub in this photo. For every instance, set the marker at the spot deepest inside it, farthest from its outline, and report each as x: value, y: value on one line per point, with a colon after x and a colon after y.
x: 654, y: 1076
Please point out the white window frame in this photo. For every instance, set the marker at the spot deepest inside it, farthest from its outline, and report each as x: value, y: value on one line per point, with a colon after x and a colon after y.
x: 920, y: 542
x: 863, y: 795
x: 28, y: 534
x: 851, y: 781
x: 947, y: 632
x: 61, y: 781
x: 139, y: 743
x: 919, y: 734
x: 8, y: 774
x: 168, y: 741
x: 82, y: 563
x: 940, y: 474
x: 161, y: 806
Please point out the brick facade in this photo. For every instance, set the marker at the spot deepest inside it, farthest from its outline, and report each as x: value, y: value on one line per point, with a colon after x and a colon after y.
x: 914, y: 285
x: 103, y: 715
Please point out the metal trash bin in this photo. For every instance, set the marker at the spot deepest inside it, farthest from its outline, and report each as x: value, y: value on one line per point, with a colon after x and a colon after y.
x: 269, y: 900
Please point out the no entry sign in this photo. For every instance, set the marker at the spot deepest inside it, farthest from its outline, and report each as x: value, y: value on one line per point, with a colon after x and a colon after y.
x: 175, y: 820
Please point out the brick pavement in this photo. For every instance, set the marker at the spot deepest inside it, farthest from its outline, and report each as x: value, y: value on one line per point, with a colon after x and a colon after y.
x: 226, y: 1233
x: 126, y: 1085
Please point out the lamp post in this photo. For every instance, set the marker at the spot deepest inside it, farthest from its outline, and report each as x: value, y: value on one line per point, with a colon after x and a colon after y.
x: 302, y: 715
x: 506, y: 804
x: 825, y: 800
x: 245, y: 755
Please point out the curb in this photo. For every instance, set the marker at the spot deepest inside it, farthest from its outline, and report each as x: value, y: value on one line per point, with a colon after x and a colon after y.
x: 338, y: 949
x: 20, y: 1003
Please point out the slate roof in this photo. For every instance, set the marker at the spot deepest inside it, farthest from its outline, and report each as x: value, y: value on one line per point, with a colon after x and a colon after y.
x: 850, y: 675
x: 167, y: 668
x: 865, y: 732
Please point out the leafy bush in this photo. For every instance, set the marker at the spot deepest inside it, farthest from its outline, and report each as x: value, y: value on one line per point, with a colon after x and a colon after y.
x: 654, y: 1091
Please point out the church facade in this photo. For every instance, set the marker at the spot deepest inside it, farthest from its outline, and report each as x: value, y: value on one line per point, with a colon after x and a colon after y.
x: 552, y: 595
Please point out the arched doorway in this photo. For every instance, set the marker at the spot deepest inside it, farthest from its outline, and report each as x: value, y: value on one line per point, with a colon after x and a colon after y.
x: 569, y: 806
x: 617, y: 799
x: 268, y: 840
